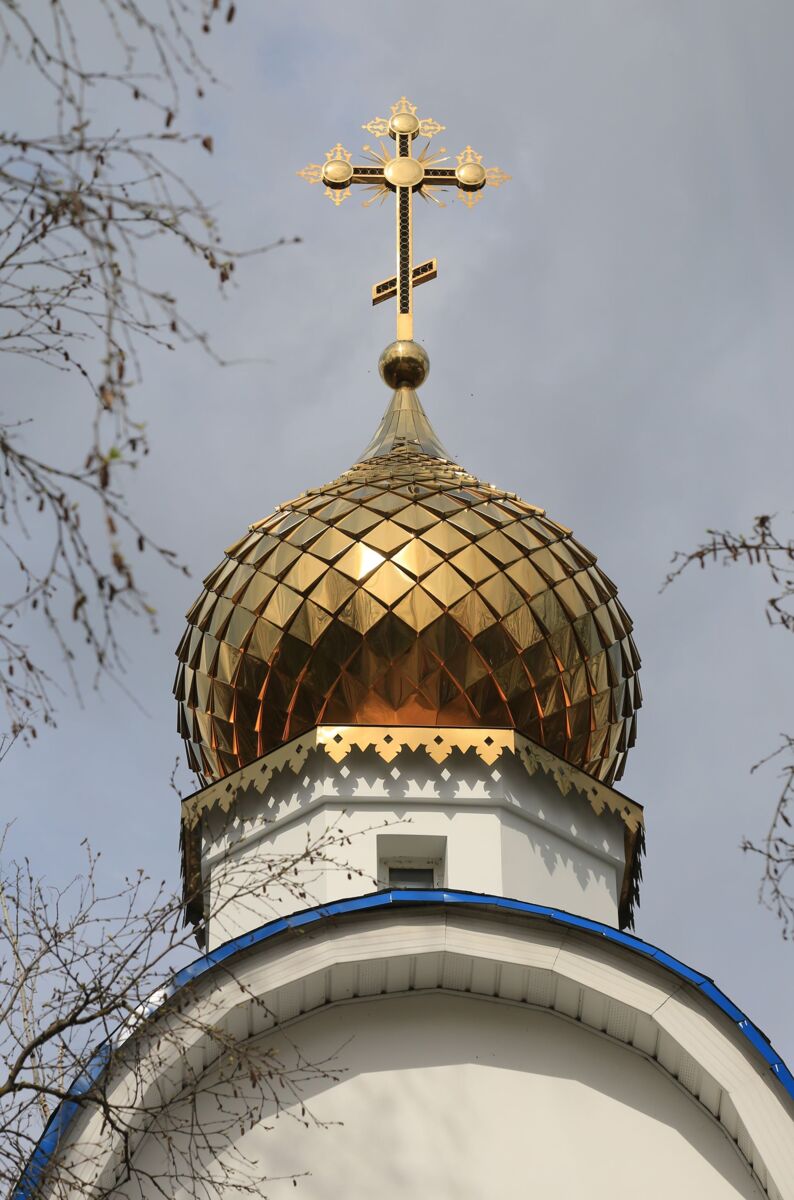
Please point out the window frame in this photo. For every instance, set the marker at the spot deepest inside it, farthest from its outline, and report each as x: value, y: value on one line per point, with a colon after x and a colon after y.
x: 410, y: 863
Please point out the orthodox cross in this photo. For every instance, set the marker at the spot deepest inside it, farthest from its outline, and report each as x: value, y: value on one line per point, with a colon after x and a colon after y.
x: 395, y: 169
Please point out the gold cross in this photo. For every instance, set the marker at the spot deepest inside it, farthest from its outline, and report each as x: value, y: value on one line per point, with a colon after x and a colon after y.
x: 403, y: 175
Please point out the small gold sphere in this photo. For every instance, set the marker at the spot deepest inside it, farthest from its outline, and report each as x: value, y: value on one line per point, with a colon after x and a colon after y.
x: 404, y: 123
x: 337, y: 173
x: 404, y: 364
x: 471, y: 176
x: 404, y: 172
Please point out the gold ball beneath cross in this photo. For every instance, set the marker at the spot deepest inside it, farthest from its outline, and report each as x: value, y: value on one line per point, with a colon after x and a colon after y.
x: 404, y: 364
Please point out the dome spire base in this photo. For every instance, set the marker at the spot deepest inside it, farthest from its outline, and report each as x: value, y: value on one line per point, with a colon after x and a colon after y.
x: 404, y: 366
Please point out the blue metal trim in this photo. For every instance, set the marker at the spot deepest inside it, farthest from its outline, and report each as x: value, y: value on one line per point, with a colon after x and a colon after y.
x: 295, y: 922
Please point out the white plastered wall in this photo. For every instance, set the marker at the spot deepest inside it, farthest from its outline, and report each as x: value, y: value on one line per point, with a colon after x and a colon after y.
x: 461, y: 1098
x: 503, y: 832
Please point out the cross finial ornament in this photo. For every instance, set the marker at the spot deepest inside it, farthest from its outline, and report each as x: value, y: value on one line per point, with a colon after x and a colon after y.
x: 395, y: 169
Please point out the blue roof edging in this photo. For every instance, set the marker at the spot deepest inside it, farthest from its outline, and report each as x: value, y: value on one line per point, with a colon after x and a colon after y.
x: 67, y: 1110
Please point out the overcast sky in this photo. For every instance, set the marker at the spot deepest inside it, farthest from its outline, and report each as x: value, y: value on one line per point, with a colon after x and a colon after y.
x: 610, y: 336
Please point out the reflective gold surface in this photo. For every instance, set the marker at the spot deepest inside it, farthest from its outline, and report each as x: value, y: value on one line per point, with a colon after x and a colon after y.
x: 337, y: 173
x: 404, y: 364
x: 403, y: 172
x: 403, y: 122
x: 387, y: 288
x: 407, y: 593
x: 403, y: 119
x: 470, y: 175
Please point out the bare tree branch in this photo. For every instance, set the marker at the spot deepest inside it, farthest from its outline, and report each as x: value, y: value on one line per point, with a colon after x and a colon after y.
x: 82, y: 209
x: 764, y: 548
x: 777, y: 848
x: 83, y: 972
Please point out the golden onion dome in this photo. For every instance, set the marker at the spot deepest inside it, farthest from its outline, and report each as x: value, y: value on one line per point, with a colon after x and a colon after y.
x: 407, y: 592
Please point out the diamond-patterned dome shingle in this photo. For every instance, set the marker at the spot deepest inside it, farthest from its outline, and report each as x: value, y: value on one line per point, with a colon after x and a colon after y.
x: 407, y: 592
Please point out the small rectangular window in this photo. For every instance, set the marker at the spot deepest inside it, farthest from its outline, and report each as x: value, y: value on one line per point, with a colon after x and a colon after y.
x: 411, y: 877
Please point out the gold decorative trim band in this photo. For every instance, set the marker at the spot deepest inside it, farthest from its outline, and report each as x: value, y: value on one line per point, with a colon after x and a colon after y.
x: 387, y: 741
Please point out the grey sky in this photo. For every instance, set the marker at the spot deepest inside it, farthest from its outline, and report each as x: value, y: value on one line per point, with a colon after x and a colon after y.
x: 610, y: 336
